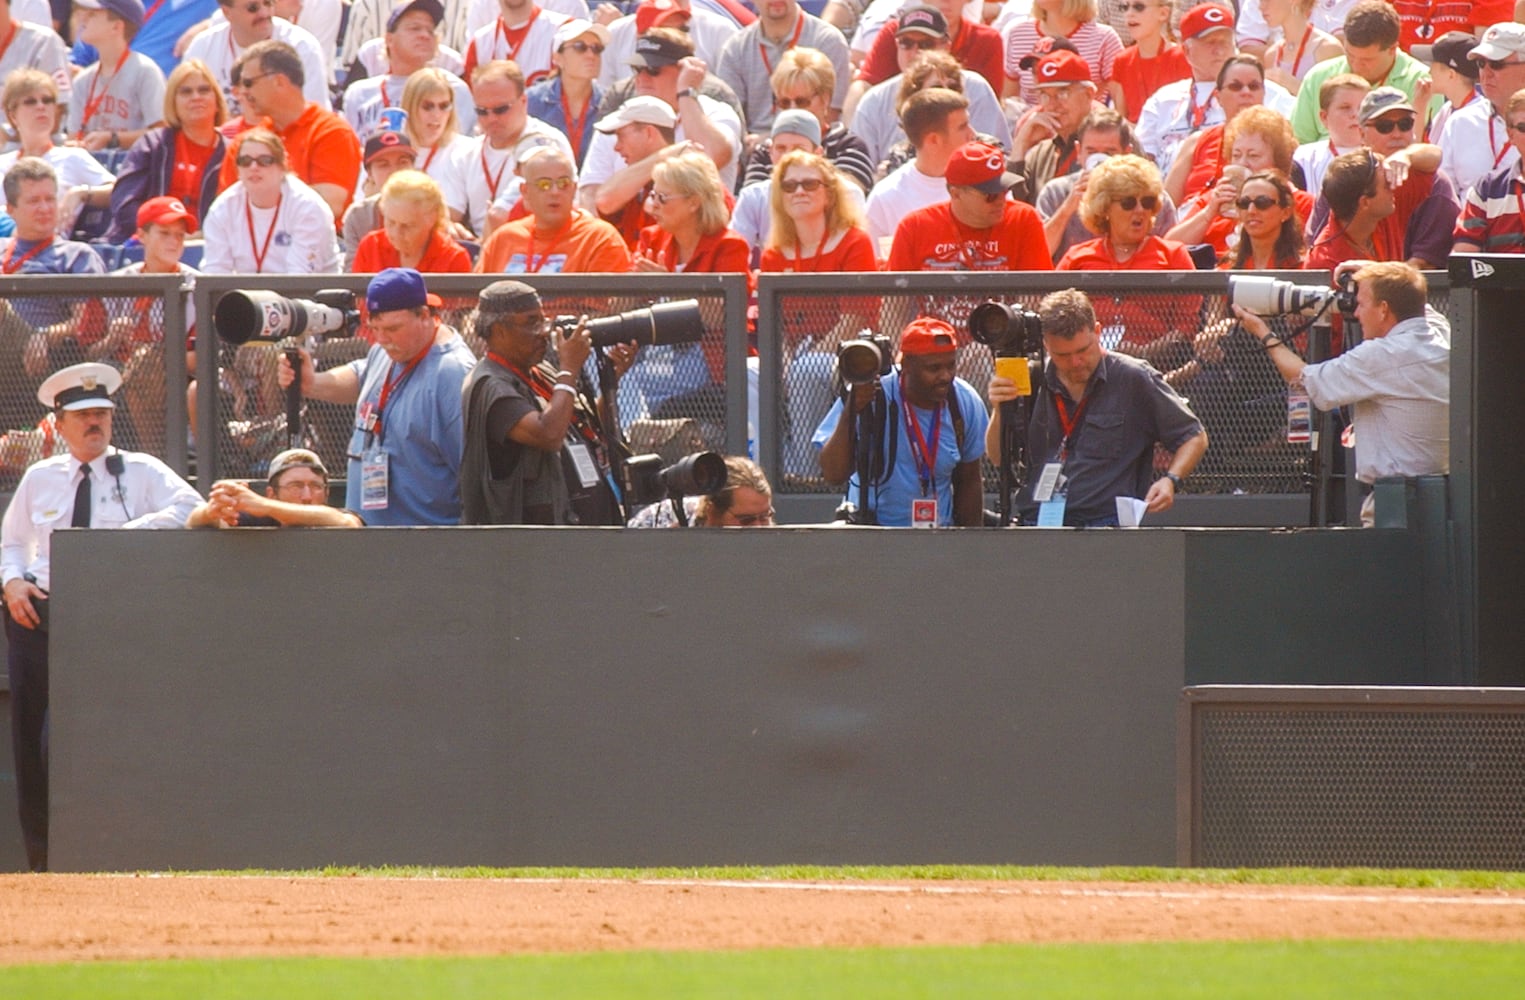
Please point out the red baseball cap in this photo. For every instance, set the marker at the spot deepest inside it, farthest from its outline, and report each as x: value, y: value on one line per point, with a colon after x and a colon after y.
x: 925, y: 335
x: 1060, y: 68
x: 163, y: 210
x: 982, y: 166
x: 1206, y: 17
x: 657, y: 14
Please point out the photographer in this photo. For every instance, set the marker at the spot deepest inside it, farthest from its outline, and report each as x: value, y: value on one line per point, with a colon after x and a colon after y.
x: 536, y: 449
x: 746, y: 501
x: 296, y: 495
x: 1095, y: 421
x: 931, y: 429
x: 1398, y: 379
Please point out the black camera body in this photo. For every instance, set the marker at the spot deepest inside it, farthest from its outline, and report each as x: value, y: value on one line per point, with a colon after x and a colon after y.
x: 865, y: 359
x: 664, y: 323
x: 1009, y: 331
x: 647, y: 481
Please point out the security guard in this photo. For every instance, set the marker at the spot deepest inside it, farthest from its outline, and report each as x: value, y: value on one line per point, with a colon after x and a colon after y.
x: 93, y: 485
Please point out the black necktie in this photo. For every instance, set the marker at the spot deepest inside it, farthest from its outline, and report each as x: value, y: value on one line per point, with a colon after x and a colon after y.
x: 82, y: 499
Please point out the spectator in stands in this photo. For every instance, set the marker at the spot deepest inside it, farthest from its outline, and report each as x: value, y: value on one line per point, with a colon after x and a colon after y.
x: 1301, y: 45
x: 880, y: 110
x: 415, y: 229
x: 296, y: 496
x: 412, y: 42
x: 434, y: 129
x: 1199, y: 161
x: 385, y: 154
x: 181, y: 159
x: 556, y: 237
x: 503, y: 117
x: 1270, y: 231
x: 523, y: 33
x: 974, y: 44
x: 60, y: 492
x: 123, y: 92
x: 1371, y: 52
x: 1491, y: 221
x: 1453, y: 76
x: 34, y: 46
x: 1398, y: 379
x: 31, y: 106
x: 537, y: 445
x: 1097, y: 44
x: 269, y: 222
x: 405, y: 451
x: 746, y: 501
x: 569, y: 98
x: 937, y: 122
x: 1257, y: 139
x: 364, y: 52
x: 57, y: 325
x: 249, y: 22
x: 746, y: 63
x: 932, y: 428
x: 1424, y: 20
x: 709, y: 30
x: 793, y: 129
x: 1359, y: 197
x: 805, y: 81
x: 1047, y: 141
x: 1103, y: 133
x: 1340, y: 112
x: 979, y: 228
x: 1152, y: 61
x: 321, y: 149
x: 1185, y: 107
x: 1476, y: 140
x: 1109, y: 452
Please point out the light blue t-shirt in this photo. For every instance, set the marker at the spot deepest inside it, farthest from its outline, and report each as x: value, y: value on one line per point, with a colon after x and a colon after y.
x: 421, y: 432
x: 891, y: 500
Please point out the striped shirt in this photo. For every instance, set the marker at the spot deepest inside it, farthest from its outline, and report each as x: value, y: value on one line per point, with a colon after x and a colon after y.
x: 1097, y: 44
x: 1493, y: 217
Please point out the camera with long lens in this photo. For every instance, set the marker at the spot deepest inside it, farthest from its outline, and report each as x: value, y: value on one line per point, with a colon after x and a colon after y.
x: 1009, y: 331
x: 647, y: 480
x: 260, y: 316
x: 865, y: 359
x: 1275, y: 297
x: 664, y: 323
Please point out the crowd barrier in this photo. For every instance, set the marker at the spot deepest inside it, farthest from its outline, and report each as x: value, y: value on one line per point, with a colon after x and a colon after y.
x: 676, y: 399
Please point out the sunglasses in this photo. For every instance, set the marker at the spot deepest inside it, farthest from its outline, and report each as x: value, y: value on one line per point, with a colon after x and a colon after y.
x: 263, y: 160
x: 257, y: 6
x: 785, y: 103
x: 1149, y: 202
x: 1261, y: 203
x: 808, y: 183
x: 1237, y: 86
x: 649, y: 70
x: 924, y: 44
x: 1386, y: 125
x: 581, y: 47
x: 1137, y: 8
x: 662, y: 199
x: 1498, y: 64
x: 752, y: 520
x: 1518, y: 127
x: 433, y: 106
x: 33, y: 101
x: 498, y: 109
x: 546, y: 183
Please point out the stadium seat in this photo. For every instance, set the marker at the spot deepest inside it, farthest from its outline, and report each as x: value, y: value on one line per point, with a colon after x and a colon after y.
x: 110, y: 254
x: 473, y: 248
x: 92, y: 224
x: 132, y: 253
x: 193, y: 254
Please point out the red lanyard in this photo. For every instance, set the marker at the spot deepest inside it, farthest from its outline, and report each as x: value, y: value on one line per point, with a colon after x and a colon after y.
x: 506, y: 33
x: 1307, y: 34
x: 12, y: 37
x: 794, y: 39
x: 492, y: 181
x: 574, y: 125
x: 1196, y: 113
x: 1498, y: 154
x: 923, y: 452
x: 91, y: 101
x: 537, y: 385
x: 11, y: 267
x: 386, y: 101
x: 393, y: 382
x: 815, y: 259
x: 533, y: 266
x: 260, y: 252
x: 1067, y: 422
x: 152, y: 10
x: 1067, y: 164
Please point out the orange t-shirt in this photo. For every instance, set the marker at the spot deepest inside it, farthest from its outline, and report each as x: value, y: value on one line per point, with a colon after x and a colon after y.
x: 443, y: 255
x: 931, y: 239
x: 586, y: 245
x: 321, y: 148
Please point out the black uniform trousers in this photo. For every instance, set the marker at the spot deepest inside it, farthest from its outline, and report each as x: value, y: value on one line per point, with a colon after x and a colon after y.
x: 27, y: 663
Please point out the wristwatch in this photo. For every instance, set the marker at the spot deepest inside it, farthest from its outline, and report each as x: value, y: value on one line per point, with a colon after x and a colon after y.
x: 688, y: 92
x: 1175, y: 480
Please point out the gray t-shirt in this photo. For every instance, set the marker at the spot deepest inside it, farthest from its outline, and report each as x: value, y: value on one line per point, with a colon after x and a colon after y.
x: 37, y: 47
x: 132, y: 99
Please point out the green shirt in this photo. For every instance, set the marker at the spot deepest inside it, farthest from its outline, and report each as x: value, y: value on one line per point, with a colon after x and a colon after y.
x: 1405, y: 73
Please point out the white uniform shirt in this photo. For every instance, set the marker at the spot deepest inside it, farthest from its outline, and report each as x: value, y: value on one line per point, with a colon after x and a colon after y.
x: 602, y: 160
x: 216, y: 48
x: 364, y: 100
x: 1400, y: 388
x: 132, y: 99
x: 480, y: 13
x: 320, y: 18
x: 488, y: 173
x: 1473, y: 144
x: 904, y: 191
x: 373, y: 56
x: 709, y: 31
x: 1166, y: 119
x: 533, y: 56
x: 300, y: 230
x: 447, y: 167
x: 148, y: 494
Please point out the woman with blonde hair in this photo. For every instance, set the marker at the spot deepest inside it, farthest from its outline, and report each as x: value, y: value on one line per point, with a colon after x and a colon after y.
x: 181, y: 158
x: 433, y: 125
x: 31, y: 105
x: 692, y: 232
x: 415, y: 229
x: 1075, y: 20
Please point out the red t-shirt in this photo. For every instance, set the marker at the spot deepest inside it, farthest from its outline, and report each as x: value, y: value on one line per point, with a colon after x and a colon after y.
x: 1206, y: 163
x: 931, y: 239
x: 724, y: 252
x: 1142, y: 317
x: 854, y: 252
x: 443, y: 255
x: 977, y: 47
x: 190, y: 163
x: 1423, y: 21
x: 1141, y: 77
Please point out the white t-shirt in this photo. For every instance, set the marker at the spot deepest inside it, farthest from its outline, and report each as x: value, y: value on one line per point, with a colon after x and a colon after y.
x: 533, y: 56
x: 1328, y: 15
x: 709, y: 31
x: 488, y: 173
x: 373, y: 56
x: 216, y: 48
x: 1314, y: 158
x: 898, y: 195
x: 1165, y: 121
x: 447, y: 167
x: 73, y: 164
x: 365, y: 99
x: 480, y: 13
x: 130, y: 100
x: 321, y: 18
x: 39, y: 47
x: 602, y: 160
x: 1473, y: 144
x: 300, y: 231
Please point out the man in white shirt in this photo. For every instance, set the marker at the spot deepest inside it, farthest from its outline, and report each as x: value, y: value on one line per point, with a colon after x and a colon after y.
x: 937, y: 122
x: 746, y: 63
x: 221, y: 46
x: 523, y: 32
x: 412, y: 42
x: 488, y: 165
x: 709, y: 31
x: 1475, y: 139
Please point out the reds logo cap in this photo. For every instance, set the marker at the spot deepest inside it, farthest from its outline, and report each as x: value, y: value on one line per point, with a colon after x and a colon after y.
x: 163, y: 210
x: 1061, y: 68
x: 981, y: 166
x: 1205, y: 18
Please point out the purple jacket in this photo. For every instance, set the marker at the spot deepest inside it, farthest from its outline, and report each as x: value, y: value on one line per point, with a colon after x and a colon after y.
x: 146, y: 173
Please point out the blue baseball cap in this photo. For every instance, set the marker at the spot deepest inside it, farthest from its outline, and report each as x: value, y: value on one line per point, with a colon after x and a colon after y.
x: 130, y: 11
x: 397, y: 288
